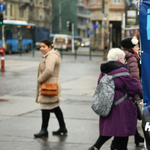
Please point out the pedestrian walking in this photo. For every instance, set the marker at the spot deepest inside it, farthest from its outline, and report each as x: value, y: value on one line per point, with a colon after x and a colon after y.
x: 131, y: 49
x: 48, y: 72
x: 122, y: 120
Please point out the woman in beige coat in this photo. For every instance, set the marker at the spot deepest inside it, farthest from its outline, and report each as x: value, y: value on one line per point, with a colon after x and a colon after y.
x: 48, y: 72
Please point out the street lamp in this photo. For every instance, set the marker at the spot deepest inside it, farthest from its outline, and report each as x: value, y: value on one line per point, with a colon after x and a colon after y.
x: 60, y: 15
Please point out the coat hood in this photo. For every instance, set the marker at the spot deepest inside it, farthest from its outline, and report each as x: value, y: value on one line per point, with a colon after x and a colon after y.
x: 53, y: 52
x: 111, y: 65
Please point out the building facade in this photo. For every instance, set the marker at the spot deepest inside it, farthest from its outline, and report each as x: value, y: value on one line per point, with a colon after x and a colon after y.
x: 83, y: 16
x: 76, y: 11
x: 106, y: 26
x: 40, y: 14
x: 63, y: 11
x: 16, y: 10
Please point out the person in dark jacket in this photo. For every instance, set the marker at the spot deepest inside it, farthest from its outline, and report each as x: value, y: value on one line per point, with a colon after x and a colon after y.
x: 121, y: 122
x: 131, y: 49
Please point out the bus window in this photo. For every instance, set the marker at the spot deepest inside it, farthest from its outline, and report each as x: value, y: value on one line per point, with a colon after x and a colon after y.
x: 69, y: 41
x: 59, y: 40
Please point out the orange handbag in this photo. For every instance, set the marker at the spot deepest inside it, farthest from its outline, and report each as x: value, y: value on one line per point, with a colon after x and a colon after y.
x: 49, y: 89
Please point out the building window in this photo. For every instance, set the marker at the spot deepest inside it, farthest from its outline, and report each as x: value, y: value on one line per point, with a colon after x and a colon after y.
x: 11, y: 10
x: 41, y: 15
x: 21, y: 13
x: 6, y: 9
x: 40, y: 1
x: 117, y: 1
x: 93, y: 1
x: 88, y: 3
x: 45, y: 2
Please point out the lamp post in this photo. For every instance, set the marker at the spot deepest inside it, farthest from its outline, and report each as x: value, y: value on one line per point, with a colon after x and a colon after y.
x: 60, y: 15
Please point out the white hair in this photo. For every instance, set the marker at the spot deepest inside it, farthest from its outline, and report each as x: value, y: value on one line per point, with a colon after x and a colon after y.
x: 114, y: 54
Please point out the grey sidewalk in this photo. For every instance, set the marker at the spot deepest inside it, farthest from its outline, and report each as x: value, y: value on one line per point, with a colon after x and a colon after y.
x: 20, y: 117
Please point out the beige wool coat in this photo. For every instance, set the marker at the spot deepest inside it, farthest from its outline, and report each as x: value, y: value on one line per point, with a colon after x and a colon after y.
x: 48, y: 72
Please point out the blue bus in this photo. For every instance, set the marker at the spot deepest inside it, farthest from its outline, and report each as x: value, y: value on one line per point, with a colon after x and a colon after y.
x: 40, y: 34
x: 19, y: 36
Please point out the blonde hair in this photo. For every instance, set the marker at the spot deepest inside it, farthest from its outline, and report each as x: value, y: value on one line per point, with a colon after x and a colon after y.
x: 114, y: 54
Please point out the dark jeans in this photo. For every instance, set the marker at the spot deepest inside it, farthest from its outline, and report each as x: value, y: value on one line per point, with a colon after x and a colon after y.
x: 46, y: 117
x: 119, y: 142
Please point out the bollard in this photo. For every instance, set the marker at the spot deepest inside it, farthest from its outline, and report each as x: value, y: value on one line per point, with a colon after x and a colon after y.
x: 105, y: 53
x: 2, y: 52
x: 33, y: 51
x: 20, y: 52
x: 61, y: 50
x: 76, y: 47
x: 90, y: 53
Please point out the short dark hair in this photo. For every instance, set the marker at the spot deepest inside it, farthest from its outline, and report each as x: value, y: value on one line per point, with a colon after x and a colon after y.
x: 47, y: 42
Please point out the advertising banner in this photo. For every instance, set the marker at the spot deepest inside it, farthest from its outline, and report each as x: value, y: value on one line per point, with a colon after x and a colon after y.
x: 144, y: 25
x: 131, y: 13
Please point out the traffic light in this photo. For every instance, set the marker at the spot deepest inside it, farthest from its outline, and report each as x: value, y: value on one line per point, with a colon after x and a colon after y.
x: 1, y: 18
x: 69, y: 26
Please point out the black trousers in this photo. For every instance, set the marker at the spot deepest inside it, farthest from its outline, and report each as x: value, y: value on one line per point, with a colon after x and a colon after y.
x: 119, y: 142
x: 46, y: 117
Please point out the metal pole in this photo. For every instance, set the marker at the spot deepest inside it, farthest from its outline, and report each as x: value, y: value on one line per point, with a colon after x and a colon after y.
x: 110, y: 46
x: 60, y: 17
x: 76, y: 52
x: 90, y: 52
x: 61, y: 52
x: 90, y: 49
x: 72, y: 37
x: 3, y: 37
x: 33, y: 51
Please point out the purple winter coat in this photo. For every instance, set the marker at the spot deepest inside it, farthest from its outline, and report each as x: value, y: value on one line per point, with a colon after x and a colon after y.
x: 122, y: 119
x: 132, y: 62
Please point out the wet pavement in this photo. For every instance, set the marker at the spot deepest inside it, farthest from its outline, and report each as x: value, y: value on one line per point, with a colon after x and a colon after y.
x: 20, y: 117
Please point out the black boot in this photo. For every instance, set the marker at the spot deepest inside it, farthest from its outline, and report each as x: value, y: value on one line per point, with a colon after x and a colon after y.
x: 91, y: 148
x: 114, y: 146
x: 59, y: 115
x: 138, y: 138
x: 61, y: 130
x: 42, y: 133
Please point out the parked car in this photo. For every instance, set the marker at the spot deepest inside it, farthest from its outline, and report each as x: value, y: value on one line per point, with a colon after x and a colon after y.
x: 85, y: 44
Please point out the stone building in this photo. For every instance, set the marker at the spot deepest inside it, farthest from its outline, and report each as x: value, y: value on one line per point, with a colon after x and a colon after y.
x: 106, y: 26
x: 83, y: 14
x: 16, y: 10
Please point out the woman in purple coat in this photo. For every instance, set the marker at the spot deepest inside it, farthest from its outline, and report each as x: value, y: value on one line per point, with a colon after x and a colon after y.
x: 131, y: 48
x: 121, y: 122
